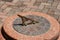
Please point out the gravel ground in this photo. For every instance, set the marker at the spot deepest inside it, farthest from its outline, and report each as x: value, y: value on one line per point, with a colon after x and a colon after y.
x: 11, y: 7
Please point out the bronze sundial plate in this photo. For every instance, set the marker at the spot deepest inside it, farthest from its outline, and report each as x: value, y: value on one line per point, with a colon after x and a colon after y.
x: 46, y: 29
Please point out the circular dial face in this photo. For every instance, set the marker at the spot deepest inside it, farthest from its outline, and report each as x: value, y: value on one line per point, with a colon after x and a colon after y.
x: 32, y: 29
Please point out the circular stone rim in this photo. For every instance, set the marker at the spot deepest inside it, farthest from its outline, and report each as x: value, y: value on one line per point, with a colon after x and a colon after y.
x: 53, y: 32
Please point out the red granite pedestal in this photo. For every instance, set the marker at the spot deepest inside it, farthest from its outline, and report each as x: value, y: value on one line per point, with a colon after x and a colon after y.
x: 51, y: 34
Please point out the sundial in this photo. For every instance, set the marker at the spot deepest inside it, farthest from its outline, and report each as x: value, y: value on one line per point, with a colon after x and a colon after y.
x: 31, y: 26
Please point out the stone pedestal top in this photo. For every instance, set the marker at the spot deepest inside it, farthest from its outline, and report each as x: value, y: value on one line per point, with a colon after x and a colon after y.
x: 52, y: 32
